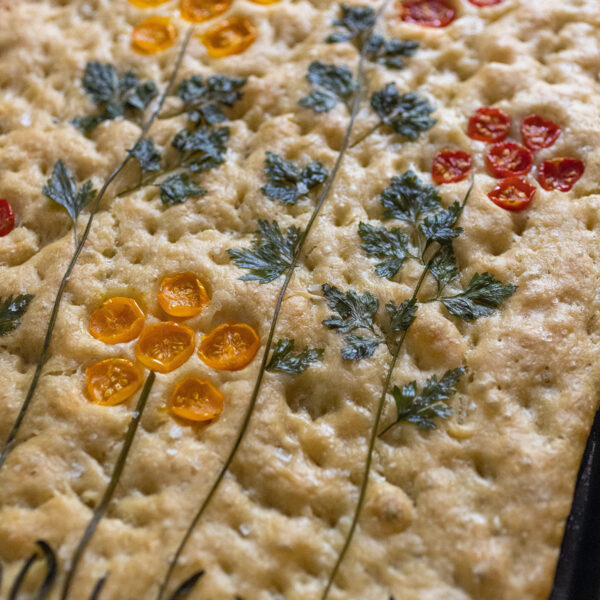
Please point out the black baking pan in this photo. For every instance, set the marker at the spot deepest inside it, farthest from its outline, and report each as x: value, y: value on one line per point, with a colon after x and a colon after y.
x: 578, y: 570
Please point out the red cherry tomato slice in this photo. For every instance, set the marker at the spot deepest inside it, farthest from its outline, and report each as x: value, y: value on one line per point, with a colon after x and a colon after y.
x: 428, y: 13
x: 451, y: 166
x: 560, y: 173
x: 538, y: 132
x: 7, y: 218
x: 489, y: 125
x: 508, y: 159
x: 514, y: 194
x: 485, y: 2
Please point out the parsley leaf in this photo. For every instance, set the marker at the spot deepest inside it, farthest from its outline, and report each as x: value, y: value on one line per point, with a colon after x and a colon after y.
x: 407, y: 114
x: 202, y: 149
x: 271, y: 255
x: 401, y: 316
x: 61, y: 188
x: 441, y: 226
x: 389, y: 52
x: 287, y: 182
x: 334, y: 83
x: 357, y: 347
x: 443, y: 267
x: 407, y: 198
x: 354, y: 311
x: 421, y: 409
x: 284, y: 360
x: 482, y: 296
x: 388, y: 244
x: 176, y: 189
x: 355, y: 20
x: 12, y: 310
x: 147, y: 155
x: 113, y: 95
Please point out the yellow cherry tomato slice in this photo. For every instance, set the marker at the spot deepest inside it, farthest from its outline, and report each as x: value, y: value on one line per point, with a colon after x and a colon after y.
x: 232, y: 36
x: 229, y: 347
x: 182, y: 295
x: 163, y: 347
x: 147, y: 3
x: 197, y: 11
x: 196, y: 400
x: 265, y: 2
x: 153, y: 35
x: 112, y: 381
x: 117, y: 321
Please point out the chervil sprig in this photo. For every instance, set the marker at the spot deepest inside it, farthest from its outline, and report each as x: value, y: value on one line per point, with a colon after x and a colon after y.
x: 114, y: 95
x: 332, y: 83
x: 12, y: 310
x: 285, y: 360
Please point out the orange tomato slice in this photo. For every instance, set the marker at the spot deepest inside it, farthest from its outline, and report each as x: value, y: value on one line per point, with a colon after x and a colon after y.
x: 153, y: 35
x: 182, y: 295
x: 163, y: 347
x: 112, y: 381
x: 147, y: 3
x: 197, y: 11
x: 229, y: 347
x: 265, y: 2
x: 195, y: 399
x: 117, y: 321
x: 232, y: 36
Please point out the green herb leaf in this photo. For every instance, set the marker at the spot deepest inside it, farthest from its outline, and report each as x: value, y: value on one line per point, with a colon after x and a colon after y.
x: 407, y: 198
x: 202, y: 149
x: 354, y: 311
x: 357, y: 347
x: 61, y: 188
x: 441, y: 226
x: 483, y: 295
x: 12, y: 310
x: 407, y: 114
x: 389, y: 53
x: 421, y: 409
x: 100, y: 82
x: 284, y: 360
x: 272, y: 253
x: 355, y: 20
x: 287, y: 182
x: 177, y: 188
x: 142, y: 96
x: 334, y: 83
x: 403, y: 315
x: 443, y: 267
x: 147, y: 155
x: 388, y: 244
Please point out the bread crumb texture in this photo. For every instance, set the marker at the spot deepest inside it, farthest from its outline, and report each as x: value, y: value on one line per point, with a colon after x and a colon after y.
x: 474, y: 509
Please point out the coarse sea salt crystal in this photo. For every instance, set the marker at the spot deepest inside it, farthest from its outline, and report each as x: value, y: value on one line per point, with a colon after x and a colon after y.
x: 244, y: 530
x: 171, y: 451
x: 175, y: 432
x: 25, y: 120
x: 282, y: 455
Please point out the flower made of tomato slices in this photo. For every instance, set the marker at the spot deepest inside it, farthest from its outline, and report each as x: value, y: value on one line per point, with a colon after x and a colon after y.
x: 196, y: 400
x: 229, y: 37
x: 229, y: 347
x: 183, y: 295
x: 112, y: 381
x: 427, y: 13
x: 163, y: 347
x: 117, y: 321
x: 153, y: 35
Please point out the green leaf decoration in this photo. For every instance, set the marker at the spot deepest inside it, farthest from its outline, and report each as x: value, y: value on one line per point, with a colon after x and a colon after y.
x: 407, y: 114
x: 483, y: 295
x: 355, y: 21
x: 358, y: 347
x: 441, y: 226
x: 177, y: 188
x: 389, y: 53
x: 203, y: 149
x: 147, y: 155
x: 271, y: 255
x: 288, y: 183
x: 115, y: 96
x: 443, y: 267
x: 62, y: 189
x: 333, y: 83
x: 285, y: 360
x: 422, y: 408
x: 401, y: 316
x: 390, y: 245
x: 354, y: 311
x: 407, y: 198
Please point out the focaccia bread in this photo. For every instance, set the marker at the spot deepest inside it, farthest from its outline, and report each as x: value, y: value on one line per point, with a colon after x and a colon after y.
x: 472, y: 508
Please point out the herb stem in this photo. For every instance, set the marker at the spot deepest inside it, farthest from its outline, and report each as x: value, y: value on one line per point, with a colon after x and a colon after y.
x: 10, y: 441
x: 101, y: 509
x: 369, y: 132
x: 265, y: 358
